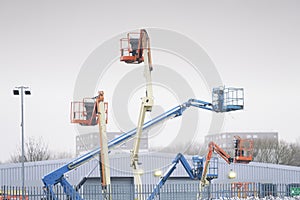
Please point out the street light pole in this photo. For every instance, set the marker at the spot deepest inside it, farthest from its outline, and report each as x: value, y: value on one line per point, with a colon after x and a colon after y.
x: 23, y: 156
x: 23, y: 90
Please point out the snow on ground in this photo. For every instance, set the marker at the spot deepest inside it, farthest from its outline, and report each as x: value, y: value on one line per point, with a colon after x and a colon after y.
x: 264, y: 198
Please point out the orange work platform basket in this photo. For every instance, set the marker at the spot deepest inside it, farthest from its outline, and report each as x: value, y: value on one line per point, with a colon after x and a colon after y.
x: 131, y: 48
x: 84, y: 112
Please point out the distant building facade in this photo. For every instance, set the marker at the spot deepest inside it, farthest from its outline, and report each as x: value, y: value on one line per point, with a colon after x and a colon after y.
x: 225, y: 139
x: 89, y: 141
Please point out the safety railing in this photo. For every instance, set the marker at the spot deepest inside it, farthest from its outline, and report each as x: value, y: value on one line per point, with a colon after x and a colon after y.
x: 227, y: 99
x: 83, y: 112
x: 130, y: 48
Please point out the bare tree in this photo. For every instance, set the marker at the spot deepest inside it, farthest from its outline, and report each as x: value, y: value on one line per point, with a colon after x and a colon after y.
x: 272, y: 151
x: 264, y: 150
x: 61, y: 155
x: 296, y: 147
x: 283, y: 153
x: 295, y: 154
x: 34, y: 150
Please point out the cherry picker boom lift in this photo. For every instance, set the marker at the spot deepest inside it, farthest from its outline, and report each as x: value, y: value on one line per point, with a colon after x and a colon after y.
x: 135, y: 48
x: 201, y: 169
x: 58, y: 175
x: 243, y: 149
x: 89, y: 112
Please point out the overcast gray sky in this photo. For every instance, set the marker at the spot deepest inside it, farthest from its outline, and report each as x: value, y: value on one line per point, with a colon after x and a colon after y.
x: 43, y: 44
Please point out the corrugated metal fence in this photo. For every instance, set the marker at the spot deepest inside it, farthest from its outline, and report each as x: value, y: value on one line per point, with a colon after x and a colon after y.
x: 167, y: 192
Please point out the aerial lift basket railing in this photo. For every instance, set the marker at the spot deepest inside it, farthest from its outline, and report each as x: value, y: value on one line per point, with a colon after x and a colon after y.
x: 132, y: 48
x: 243, y: 150
x: 227, y: 99
x: 85, y: 112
